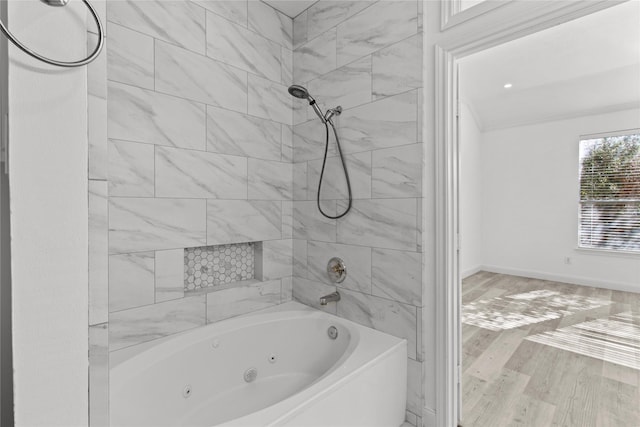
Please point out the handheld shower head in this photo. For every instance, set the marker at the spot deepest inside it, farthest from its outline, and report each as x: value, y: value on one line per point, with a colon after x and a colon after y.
x: 298, y: 91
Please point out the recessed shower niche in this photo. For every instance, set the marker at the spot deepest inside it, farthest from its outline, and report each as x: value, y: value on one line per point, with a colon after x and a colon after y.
x: 209, y: 268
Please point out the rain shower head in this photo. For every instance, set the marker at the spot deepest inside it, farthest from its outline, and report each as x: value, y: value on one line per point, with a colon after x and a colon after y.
x: 298, y: 91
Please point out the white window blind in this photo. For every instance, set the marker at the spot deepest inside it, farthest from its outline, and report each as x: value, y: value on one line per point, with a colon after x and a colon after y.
x: 610, y: 192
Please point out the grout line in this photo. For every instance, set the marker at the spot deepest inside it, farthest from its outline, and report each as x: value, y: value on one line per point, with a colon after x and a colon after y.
x: 206, y: 129
x: 336, y: 42
x: 155, y: 284
x: 333, y: 26
x: 362, y: 57
x: 248, y: 175
x: 155, y: 171
x: 372, y: 97
x: 206, y: 222
x: 247, y: 86
x: 185, y: 148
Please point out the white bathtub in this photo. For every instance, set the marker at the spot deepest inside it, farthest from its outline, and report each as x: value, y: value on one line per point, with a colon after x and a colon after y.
x: 304, y: 378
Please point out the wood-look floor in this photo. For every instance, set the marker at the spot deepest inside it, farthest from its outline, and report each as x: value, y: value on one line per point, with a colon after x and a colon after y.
x: 510, y: 381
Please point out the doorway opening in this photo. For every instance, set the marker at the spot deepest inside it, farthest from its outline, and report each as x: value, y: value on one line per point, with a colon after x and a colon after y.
x: 550, y: 331
x: 451, y: 52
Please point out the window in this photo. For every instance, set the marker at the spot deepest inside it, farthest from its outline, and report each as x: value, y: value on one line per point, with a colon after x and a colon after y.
x: 610, y: 192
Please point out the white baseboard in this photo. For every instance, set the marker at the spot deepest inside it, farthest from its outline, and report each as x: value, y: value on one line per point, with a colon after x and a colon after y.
x: 428, y: 417
x: 471, y: 271
x: 574, y: 280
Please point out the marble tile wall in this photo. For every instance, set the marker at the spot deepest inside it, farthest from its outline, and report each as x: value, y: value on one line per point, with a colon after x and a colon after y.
x: 194, y: 141
x: 193, y: 147
x: 98, y: 230
x: 366, y: 57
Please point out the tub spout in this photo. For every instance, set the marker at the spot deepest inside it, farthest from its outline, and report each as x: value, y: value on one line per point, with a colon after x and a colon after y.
x: 334, y: 296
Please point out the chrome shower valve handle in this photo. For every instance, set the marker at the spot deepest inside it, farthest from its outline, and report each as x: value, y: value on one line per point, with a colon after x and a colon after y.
x: 336, y: 270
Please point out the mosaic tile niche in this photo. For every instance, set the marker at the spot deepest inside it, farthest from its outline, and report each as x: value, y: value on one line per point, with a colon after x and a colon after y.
x: 212, y: 266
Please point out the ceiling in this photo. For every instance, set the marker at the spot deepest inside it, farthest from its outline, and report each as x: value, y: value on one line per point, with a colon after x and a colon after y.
x: 291, y: 8
x: 586, y: 66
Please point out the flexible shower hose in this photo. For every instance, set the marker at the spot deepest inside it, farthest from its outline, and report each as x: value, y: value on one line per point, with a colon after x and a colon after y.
x: 344, y: 168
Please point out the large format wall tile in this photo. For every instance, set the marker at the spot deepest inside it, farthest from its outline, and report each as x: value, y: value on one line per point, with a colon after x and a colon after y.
x: 236, y: 221
x: 385, y: 123
x: 375, y: 74
x: 381, y: 24
x: 241, y: 71
x: 414, y: 386
x: 96, y: 71
x: 269, y: 100
x: 328, y: 13
x: 300, y: 29
x: 186, y: 74
x: 286, y: 66
x: 198, y: 174
x: 169, y: 273
x: 145, y: 116
x: 300, y: 187
x: 382, y: 314
x: 130, y: 57
x: 99, y: 375
x: 309, y: 140
x: 131, y: 168
x: 347, y: 86
x: 309, y: 224
x: 233, y: 10
x: 238, y: 134
x: 131, y: 280
x: 265, y: 20
x: 270, y: 180
x: 98, y: 252
x: 397, y: 275
x: 142, y: 324
x: 287, y: 143
x: 97, y: 125
x: 287, y: 219
x: 148, y: 224
x: 356, y: 258
x: 286, y: 289
x: 334, y: 183
x: 382, y: 223
x: 397, y: 172
x: 309, y: 292
x: 300, y: 268
x: 276, y: 256
x: 97, y: 113
x: 315, y: 58
x: 177, y: 22
x: 242, y: 299
x: 300, y: 108
x: 242, y: 48
x: 397, y: 68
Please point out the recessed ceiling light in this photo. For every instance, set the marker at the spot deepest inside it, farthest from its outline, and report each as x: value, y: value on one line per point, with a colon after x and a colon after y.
x: 508, y: 86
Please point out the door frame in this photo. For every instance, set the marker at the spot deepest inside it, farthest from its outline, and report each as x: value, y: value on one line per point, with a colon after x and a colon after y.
x: 481, y: 30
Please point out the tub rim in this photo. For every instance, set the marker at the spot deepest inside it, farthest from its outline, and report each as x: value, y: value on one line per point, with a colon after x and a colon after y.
x: 351, y: 362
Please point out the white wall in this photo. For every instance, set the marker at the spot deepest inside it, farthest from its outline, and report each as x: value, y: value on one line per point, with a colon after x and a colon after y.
x: 471, y: 193
x: 530, y: 209
x: 48, y: 183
